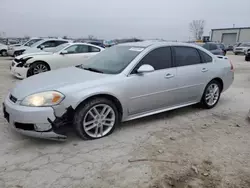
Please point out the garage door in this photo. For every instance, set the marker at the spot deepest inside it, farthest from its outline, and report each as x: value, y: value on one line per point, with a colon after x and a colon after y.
x: 229, y: 38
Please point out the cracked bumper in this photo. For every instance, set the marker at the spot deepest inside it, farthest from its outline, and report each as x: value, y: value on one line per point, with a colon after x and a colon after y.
x: 31, y: 121
x: 19, y: 72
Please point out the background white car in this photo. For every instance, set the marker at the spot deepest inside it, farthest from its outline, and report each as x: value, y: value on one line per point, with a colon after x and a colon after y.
x: 42, y: 45
x: 45, y: 45
x: 17, y: 50
x: 65, y: 55
x: 242, y: 48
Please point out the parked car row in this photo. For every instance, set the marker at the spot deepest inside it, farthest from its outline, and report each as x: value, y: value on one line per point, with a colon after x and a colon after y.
x: 64, y: 55
x: 215, y: 48
x: 118, y: 84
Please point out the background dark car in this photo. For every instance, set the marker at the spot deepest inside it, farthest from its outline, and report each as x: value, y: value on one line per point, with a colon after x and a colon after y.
x: 213, y: 48
x: 223, y: 47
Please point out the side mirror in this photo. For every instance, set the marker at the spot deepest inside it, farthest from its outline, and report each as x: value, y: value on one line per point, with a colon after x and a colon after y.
x: 64, y: 52
x: 145, y: 68
x: 42, y: 47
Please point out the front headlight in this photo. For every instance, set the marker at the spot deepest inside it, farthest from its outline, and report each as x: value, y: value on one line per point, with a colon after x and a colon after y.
x: 23, y: 61
x: 47, y: 98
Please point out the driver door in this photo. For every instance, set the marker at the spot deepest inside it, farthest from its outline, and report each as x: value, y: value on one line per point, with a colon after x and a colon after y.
x: 153, y: 90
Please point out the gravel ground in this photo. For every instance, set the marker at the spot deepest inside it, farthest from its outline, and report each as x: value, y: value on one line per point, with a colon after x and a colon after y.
x: 188, y: 147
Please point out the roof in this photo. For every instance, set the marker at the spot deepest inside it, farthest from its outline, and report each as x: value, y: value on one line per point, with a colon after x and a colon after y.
x: 231, y: 28
x: 146, y: 44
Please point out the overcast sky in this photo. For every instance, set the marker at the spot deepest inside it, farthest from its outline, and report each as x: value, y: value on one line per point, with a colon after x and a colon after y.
x: 168, y: 19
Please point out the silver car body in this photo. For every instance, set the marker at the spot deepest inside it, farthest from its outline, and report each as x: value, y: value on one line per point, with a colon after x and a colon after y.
x: 138, y: 95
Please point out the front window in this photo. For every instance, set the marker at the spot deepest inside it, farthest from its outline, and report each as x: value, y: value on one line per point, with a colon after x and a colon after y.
x: 60, y: 47
x: 113, y: 60
x: 32, y: 41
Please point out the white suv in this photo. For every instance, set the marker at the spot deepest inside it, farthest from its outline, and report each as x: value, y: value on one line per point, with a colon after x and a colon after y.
x: 242, y: 48
x: 17, y: 50
x: 45, y: 44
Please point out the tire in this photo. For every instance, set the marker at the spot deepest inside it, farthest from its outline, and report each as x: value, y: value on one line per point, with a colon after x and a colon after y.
x: 86, y: 112
x: 17, y: 53
x: 3, y: 53
x: 235, y: 53
x: 247, y: 58
x: 33, y: 70
x: 204, y: 102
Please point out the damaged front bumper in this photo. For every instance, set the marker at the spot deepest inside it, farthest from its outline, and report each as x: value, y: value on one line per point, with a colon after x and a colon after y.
x: 40, y: 122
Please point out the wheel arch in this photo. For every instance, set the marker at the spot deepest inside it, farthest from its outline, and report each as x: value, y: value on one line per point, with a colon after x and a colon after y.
x: 110, y: 97
x: 220, y: 81
x: 41, y: 61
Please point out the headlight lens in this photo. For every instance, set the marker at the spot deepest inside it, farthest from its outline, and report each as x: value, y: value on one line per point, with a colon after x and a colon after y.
x: 48, y: 98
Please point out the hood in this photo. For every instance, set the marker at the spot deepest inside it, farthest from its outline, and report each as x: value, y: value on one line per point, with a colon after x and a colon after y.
x: 57, y: 80
x: 33, y: 54
x: 3, y: 46
x: 17, y: 48
x: 32, y: 50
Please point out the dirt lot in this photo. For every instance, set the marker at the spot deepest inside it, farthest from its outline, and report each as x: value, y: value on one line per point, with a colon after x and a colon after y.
x: 185, y: 148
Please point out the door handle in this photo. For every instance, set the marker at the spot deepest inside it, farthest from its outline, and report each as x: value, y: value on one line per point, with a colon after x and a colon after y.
x: 204, y: 70
x: 169, y: 75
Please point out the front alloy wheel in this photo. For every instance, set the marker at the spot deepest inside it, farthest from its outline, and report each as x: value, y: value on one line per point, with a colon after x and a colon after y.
x: 96, y: 118
x: 99, y: 120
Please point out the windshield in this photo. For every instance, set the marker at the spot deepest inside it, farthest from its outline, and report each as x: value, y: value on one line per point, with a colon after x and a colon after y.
x: 60, y: 47
x: 245, y: 45
x: 32, y: 41
x: 37, y: 43
x: 113, y: 60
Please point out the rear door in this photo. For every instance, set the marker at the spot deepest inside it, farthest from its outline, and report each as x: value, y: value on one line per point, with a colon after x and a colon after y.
x: 192, y: 73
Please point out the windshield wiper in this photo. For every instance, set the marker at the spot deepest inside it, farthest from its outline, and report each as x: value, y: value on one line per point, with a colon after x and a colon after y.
x: 92, y: 69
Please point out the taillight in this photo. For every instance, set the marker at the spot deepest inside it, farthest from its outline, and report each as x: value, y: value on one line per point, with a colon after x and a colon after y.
x: 232, y: 67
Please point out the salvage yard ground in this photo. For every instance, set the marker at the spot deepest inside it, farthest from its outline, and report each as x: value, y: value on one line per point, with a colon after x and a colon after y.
x: 188, y: 147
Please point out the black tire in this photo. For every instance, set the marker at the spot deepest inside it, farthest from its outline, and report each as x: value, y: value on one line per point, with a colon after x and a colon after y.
x: 203, y: 102
x: 235, y: 53
x: 34, y: 65
x: 81, y: 112
x: 247, y: 58
x: 17, y: 53
x: 3, y: 53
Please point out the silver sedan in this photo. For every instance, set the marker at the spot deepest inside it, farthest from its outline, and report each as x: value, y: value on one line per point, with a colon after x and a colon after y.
x: 122, y: 83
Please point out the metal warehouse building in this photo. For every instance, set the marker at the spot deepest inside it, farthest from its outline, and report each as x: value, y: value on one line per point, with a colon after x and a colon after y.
x: 230, y: 36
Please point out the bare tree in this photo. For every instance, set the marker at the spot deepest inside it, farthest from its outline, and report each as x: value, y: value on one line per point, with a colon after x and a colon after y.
x: 197, y: 28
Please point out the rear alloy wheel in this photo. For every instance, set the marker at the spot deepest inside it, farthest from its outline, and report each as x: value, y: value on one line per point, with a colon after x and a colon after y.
x: 211, y: 94
x: 4, y: 53
x: 96, y: 119
x: 38, y: 68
